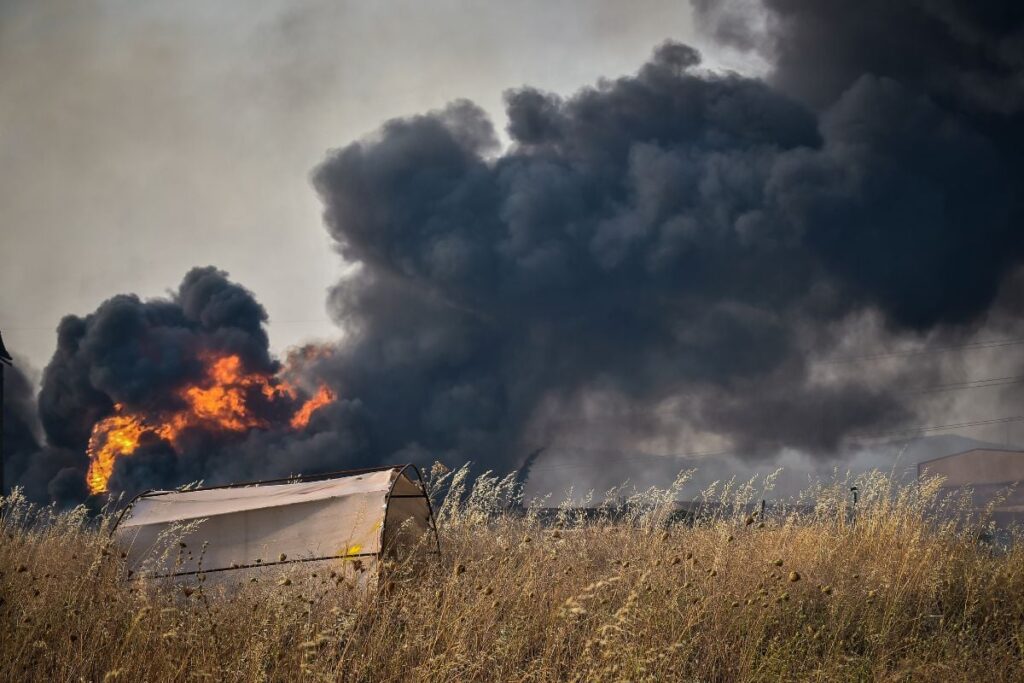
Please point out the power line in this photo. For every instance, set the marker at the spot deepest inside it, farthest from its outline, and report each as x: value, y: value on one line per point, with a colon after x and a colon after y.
x: 990, y: 344
x: 970, y: 384
x: 936, y: 428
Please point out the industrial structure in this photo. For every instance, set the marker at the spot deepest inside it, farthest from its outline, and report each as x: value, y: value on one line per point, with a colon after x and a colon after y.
x: 991, y: 475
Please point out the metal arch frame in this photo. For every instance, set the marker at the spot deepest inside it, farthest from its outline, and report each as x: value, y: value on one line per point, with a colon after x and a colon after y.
x: 335, y: 474
x: 422, y: 494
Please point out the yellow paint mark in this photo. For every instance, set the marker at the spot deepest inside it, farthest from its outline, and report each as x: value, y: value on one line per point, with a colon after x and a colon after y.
x: 352, y: 550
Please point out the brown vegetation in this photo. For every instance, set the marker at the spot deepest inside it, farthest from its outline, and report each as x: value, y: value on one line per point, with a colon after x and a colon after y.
x: 891, y: 592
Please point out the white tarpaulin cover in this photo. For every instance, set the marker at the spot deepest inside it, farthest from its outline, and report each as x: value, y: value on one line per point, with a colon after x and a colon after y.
x: 336, y: 519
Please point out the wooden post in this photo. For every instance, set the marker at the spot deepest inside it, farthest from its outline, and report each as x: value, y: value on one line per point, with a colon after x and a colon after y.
x: 5, y: 360
x: 2, y: 461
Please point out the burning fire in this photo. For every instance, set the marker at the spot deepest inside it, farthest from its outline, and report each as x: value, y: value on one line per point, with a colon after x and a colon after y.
x: 222, y: 401
x: 322, y: 397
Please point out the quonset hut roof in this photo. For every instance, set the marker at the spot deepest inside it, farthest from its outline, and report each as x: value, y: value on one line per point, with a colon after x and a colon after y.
x: 348, y: 518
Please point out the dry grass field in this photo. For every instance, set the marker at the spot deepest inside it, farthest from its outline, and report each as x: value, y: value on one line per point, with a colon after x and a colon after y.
x: 890, y: 591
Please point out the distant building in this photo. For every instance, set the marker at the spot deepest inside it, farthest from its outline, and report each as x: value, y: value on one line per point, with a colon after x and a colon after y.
x: 988, y: 473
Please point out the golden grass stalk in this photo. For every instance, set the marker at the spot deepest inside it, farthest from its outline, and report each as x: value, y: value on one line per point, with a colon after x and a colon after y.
x: 899, y: 589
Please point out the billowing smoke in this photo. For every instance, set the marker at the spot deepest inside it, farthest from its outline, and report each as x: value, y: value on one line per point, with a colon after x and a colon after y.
x: 684, y: 239
x: 45, y: 473
x: 20, y: 431
x: 966, y: 56
x: 137, y: 358
x: 137, y: 353
x: 677, y: 251
x: 911, y: 198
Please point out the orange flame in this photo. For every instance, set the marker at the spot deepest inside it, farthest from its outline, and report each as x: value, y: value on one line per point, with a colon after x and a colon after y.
x: 223, y: 403
x: 322, y: 397
x: 111, y: 438
x: 219, y: 402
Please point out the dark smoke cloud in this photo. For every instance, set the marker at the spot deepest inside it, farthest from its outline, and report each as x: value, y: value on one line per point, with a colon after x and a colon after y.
x: 20, y: 439
x: 20, y: 428
x: 675, y: 237
x: 923, y: 104
x: 674, y: 232
x: 139, y: 354
x: 45, y: 473
x: 603, y: 249
x: 966, y: 54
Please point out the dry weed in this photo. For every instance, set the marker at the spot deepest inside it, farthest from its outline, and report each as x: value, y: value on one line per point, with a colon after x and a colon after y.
x: 898, y: 589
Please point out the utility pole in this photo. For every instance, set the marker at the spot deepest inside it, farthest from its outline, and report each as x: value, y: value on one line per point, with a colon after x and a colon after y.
x: 5, y: 360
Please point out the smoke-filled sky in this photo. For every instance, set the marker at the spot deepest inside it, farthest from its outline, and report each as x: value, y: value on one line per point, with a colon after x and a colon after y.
x: 762, y: 228
x: 141, y: 138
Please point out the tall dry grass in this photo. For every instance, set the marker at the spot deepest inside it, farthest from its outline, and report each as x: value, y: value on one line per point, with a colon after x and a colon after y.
x: 898, y: 589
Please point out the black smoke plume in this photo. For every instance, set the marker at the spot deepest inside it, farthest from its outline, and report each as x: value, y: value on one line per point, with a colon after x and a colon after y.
x: 139, y: 355
x: 20, y: 431
x: 676, y: 240
x: 684, y: 237
x: 137, y: 352
x: 44, y: 473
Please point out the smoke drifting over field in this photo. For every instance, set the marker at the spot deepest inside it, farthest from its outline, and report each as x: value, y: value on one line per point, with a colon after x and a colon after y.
x: 682, y: 243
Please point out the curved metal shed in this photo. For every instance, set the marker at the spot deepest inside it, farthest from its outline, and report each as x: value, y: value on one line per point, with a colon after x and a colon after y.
x: 344, y: 519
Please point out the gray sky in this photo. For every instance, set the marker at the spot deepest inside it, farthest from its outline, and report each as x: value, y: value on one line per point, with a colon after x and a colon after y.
x: 138, y: 139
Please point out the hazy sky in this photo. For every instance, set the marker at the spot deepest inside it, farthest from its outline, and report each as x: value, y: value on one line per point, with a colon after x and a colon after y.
x: 138, y: 139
